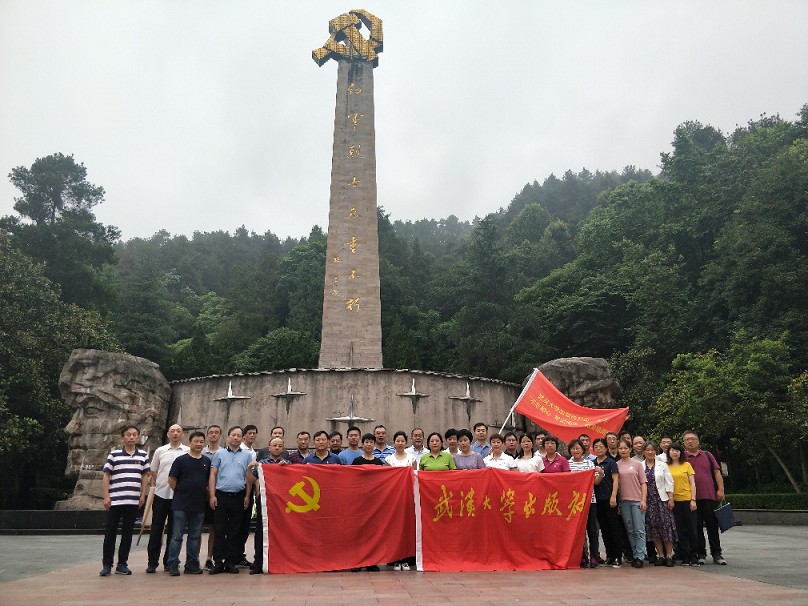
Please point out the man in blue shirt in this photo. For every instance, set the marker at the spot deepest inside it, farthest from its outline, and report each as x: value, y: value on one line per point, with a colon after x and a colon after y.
x: 228, y: 499
x: 480, y: 444
x: 321, y: 454
x: 354, y: 435
x: 382, y: 449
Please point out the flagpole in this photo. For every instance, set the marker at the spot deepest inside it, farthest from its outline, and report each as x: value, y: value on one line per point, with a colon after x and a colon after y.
x: 510, y: 414
x: 527, y: 384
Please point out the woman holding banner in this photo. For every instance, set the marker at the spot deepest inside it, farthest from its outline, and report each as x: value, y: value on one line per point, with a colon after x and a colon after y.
x: 401, y: 458
x: 466, y: 458
x: 553, y: 462
x: 498, y: 458
x: 528, y: 461
x: 436, y: 459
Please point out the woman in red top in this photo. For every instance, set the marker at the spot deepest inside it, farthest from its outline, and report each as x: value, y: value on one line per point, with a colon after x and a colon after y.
x: 553, y: 462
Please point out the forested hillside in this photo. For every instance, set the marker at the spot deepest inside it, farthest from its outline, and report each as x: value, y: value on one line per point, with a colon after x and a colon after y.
x: 693, y: 282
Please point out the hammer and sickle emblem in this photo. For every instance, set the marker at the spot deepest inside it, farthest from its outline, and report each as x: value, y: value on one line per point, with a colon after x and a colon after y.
x: 347, y: 42
x: 311, y: 501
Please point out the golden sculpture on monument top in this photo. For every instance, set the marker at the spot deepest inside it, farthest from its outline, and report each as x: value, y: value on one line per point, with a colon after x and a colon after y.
x: 346, y: 41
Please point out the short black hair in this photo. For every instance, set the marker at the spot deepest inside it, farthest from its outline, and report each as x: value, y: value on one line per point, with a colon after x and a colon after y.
x: 229, y: 431
x: 465, y: 433
x: 479, y: 424
x: 403, y: 434
x: 283, y: 431
x: 212, y: 426
x: 196, y: 434
x: 434, y: 433
x: 127, y: 428
x: 303, y: 433
x: 322, y: 432
x: 379, y: 427
x: 334, y: 434
x: 450, y: 432
x: 353, y: 428
x: 551, y: 438
x: 368, y: 437
x: 600, y: 441
x: 496, y: 436
x: 250, y: 428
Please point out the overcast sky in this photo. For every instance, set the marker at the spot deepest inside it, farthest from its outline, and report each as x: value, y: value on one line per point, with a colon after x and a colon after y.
x: 204, y: 115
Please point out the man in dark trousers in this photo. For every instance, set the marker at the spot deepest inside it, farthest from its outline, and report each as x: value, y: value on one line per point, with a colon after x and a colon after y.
x: 126, y: 481
x: 274, y: 457
x: 228, y: 499
x: 162, y: 518
x: 188, y: 479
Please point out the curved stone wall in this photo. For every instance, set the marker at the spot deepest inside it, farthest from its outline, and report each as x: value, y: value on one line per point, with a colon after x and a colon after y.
x: 322, y: 399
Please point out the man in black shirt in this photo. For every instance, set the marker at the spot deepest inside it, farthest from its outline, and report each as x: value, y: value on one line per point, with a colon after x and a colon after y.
x: 189, y: 480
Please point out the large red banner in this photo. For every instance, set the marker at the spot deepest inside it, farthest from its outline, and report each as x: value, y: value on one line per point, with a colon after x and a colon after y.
x: 543, y: 404
x: 330, y: 517
x: 490, y: 519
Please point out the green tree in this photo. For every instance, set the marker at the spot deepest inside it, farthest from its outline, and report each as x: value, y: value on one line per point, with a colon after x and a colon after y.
x: 37, y: 333
x: 279, y: 349
x: 57, y: 226
x: 144, y: 319
x: 740, y: 397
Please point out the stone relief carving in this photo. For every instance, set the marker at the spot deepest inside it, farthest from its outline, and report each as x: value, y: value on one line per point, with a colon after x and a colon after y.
x: 108, y: 391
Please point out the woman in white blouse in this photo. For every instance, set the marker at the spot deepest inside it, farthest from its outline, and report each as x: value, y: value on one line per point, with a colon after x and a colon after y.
x: 400, y: 458
x: 528, y: 461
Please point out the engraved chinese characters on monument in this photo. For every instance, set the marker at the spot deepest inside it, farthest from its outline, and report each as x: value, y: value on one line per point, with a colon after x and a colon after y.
x: 351, y: 334
x: 106, y: 392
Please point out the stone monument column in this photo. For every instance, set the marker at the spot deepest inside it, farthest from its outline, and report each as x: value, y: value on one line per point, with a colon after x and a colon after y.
x: 352, y: 333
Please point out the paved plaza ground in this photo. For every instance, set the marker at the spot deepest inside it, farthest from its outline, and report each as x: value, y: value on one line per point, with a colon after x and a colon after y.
x: 767, y: 565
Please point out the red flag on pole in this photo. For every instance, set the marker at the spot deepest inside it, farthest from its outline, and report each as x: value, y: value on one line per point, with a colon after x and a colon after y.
x: 543, y: 404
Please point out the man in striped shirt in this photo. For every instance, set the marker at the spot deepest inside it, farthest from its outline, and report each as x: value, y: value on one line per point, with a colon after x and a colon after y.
x: 126, y: 482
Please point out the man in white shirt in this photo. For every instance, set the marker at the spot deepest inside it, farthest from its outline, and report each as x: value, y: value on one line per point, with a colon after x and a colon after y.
x: 417, y: 448
x: 664, y: 444
x: 161, y: 506
x: 250, y: 436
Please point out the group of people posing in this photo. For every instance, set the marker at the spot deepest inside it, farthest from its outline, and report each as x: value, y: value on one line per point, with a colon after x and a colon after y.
x: 641, y: 494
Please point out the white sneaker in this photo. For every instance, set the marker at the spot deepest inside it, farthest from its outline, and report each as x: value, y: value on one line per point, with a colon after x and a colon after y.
x: 397, y: 566
x: 405, y: 566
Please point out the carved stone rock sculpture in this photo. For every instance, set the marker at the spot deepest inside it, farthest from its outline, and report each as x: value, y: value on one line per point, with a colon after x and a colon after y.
x: 586, y: 381
x: 108, y: 391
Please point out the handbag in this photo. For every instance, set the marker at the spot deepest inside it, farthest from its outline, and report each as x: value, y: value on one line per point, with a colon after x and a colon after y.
x: 725, y: 517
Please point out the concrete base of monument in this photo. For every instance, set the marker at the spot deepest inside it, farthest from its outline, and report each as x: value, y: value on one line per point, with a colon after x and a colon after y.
x: 334, y: 399
x: 309, y: 400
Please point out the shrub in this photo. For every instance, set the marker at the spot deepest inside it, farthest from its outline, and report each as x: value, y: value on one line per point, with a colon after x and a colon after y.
x: 768, y: 501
